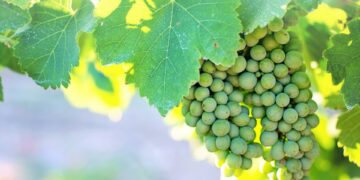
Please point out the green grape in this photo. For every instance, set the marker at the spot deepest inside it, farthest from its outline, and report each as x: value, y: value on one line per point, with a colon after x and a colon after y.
x: 220, y: 75
x: 220, y: 127
x: 306, y: 163
x: 304, y: 96
x: 236, y: 96
x: 238, y: 146
x: 302, y: 109
x: 312, y: 120
x: 208, y: 118
x: 274, y: 112
x: 300, y: 124
x: 217, y: 85
x: 248, y: 99
x: 277, y: 55
x: 228, y: 88
x: 268, y: 138
x: 259, y: 33
x: 293, y: 165
x: 276, y: 25
x: 268, y: 125
x: 221, y: 97
x: 247, y: 133
x: 210, y: 143
x: 298, y: 175
x: 191, y: 120
x: 246, y: 163
x: 314, y: 152
x: 242, y: 44
x: 222, y: 112
x: 252, y: 123
x: 282, y: 100
x: 267, y: 155
x: 240, y: 65
x: 234, y: 131
x: 209, y: 104
x: 252, y: 66
x: 278, y: 88
x: 267, y: 98
x: 299, y: 155
x: 185, y: 106
x: 268, y: 81
x: 293, y: 135
x: 259, y: 89
x: 312, y: 106
x: 242, y: 119
x: 201, y: 93
x: 306, y: 131
x: 233, y: 160
x: 254, y: 150
x: 301, y: 80
x: 266, y: 65
x: 191, y: 93
x: 269, y: 43
x: 223, y: 142
x: 257, y: 52
x: 234, y: 107
x: 283, y: 174
x: 221, y: 67
x: 208, y: 67
x: 245, y: 109
x: 293, y: 60
x: 256, y: 100
x: 258, y: 112
x: 305, y: 143
x: 281, y: 70
x: 282, y: 37
x: 233, y: 80
x: 195, y: 108
x: 205, y: 80
x: 284, y: 127
x: 202, y: 128
x: 251, y: 40
x: 247, y: 80
x: 292, y: 90
x: 291, y: 148
x: 290, y: 115
x: 285, y: 80
x: 277, y: 151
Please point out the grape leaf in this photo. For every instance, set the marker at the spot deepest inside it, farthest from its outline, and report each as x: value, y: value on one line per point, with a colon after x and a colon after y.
x: 47, y: 51
x: 101, y: 81
x: 12, y: 17
x: 353, y: 154
x: 23, y: 4
x: 1, y: 91
x: 335, y: 101
x: 349, y: 125
x: 344, y: 62
x: 8, y: 60
x: 258, y: 13
x: 317, y: 39
x: 165, y: 56
x: 307, y: 5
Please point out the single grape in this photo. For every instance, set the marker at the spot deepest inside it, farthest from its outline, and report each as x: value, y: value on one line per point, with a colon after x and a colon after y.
x: 234, y: 130
x: 208, y: 118
x: 233, y: 160
x: 292, y: 90
x: 254, y: 150
x: 222, y: 112
x: 274, y: 112
x: 293, y: 165
x: 259, y: 89
x: 302, y: 109
x: 284, y: 127
x: 312, y: 120
x: 246, y: 163
x: 252, y: 66
x: 217, y: 85
x: 306, y: 131
x: 240, y: 65
x: 266, y: 65
x: 312, y: 106
x: 251, y: 40
x: 305, y: 143
x: 242, y: 119
x: 221, y: 127
x: 201, y: 93
x: 293, y: 135
x: 258, y: 112
x: 202, y: 128
x: 268, y: 81
x: 259, y: 33
x: 268, y: 125
x: 282, y: 100
x: 293, y: 60
x: 304, y: 96
x: 233, y: 80
x: 245, y: 109
x: 247, y: 133
x: 257, y: 52
x: 236, y: 96
x: 234, y: 107
x: 301, y: 80
x: 223, y: 142
x: 300, y: 124
x: 219, y: 74
x: 277, y: 55
x: 285, y: 80
x: 210, y: 143
x: 267, y: 98
x: 299, y: 155
x: 314, y: 152
x: 228, y: 88
x: 276, y: 25
x: 221, y: 97
x: 247, y: 80
x: 191, y: 93
x: 291, y: 148
x: 238, y: 146
x: 208, y: 67
x: 282, y: 37
x: 252, y: 123
x: 205, y: 80
x: 306, y: 163
x: 278, y: 88
x: 209, y: 104
x: 290, y: 115
x: 196, y: 108
x: 256, y: 100
x: 268, y: 138
x: 191, y: 120
x: 277, y: 151
x: 281, y: 70
x: 269, y: 43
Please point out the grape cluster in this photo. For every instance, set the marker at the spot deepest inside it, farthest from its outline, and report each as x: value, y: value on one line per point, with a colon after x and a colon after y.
x: 267, y: 83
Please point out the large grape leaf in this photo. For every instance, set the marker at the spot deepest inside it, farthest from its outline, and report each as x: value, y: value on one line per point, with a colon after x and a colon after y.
x: 7, y: 59
x: 166, y: 47
x: 254, y: 13
x: 12, y: 17
x: 48, y: 50
x: 344, y: 62
x: 349, y: 124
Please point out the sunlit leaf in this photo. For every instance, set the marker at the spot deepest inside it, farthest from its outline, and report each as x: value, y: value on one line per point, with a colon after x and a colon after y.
x: 349, y: 124
x: 353, y: 154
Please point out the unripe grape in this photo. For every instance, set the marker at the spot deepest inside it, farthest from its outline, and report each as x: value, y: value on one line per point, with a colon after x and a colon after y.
x: 233, y: 160
x: 208, y: 67
x: 238, y: 146
x: 210, y: 143
x: 252, y: 123
x: 234, y: 131
x: 236, y: 96
x: 234, y: 107
x: 293, y: 135
x: 242, y: 44
x: 299, y: 155
x: 258, y: 112
x: 306, y: 131
x: 276, y: 25
x: 259, y: 89
x: 208, y: 118
x: 306, y: 163
x: 202, y: 128
x: 205, y: 79
x: 221, y: 67
x: 266, y: 65
x: 304, y: 96
x: 277, y: 151
x: 247, y: 80
x: 191, y: 120
x: 221, y: 127
x: 268, y: 138
x: 281, y: 70
x: 240, y: 65
x: 301, y: 80
x: 242, y: 119
x: 292, y: 90
x: 269, y: 43
x: 254, y: 150
x: 285, y: 80
x: 268, y: 125
x: 267, y: 98
x: 222, y: 112
x: 274, y: 112
x: 257, y: 52
x: 209, y: 104
x: 283, y: 174
x: 291, y: 148
x: 246, y: 163
x: 305, y: 143
x: 196, y: 108
x: 251, y: 40
x: 284, y: 127
x: 278, y: 88
x: 217, y: 85
x: 259, y: 33
x: 233, y: 80
x: 247, y: 133
x: 223, y: 142
x: 228, y: 88
x: 201, y: 93
x: 293, y: 165
x: 282, y: 37
x: 252, y: 66
x: 290, y: 115
x: 256, y: 100
x: 245, y: 109
x: 221, y: 97
x: 312, y: 120
x: 268, y: 81
x: 314, y: 152
x: 300, y: 124
x: 220, y: 75
x: 191, y: 93
x: 302, y: 109
x: 293, y: 60
x: 277, y: 55
x: 312, y: 106
x: 282, y: 100
x: 185, y: 106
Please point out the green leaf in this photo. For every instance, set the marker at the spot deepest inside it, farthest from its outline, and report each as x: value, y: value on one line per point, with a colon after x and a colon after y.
x: 24, y: 4
x: 165, y: 59
x: 12, y: 17
x: 101, y: 81
x: 317, y: 39
x: 1, y: 91
x: 8, y: 60
x: 335, y: 101
x: 307, y: 5
x: 344, y: 62
x: 258, y: 13
x: 349, y: 124
x: 48, y: 50
x: 353, y: 154
x: 351, y: 7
